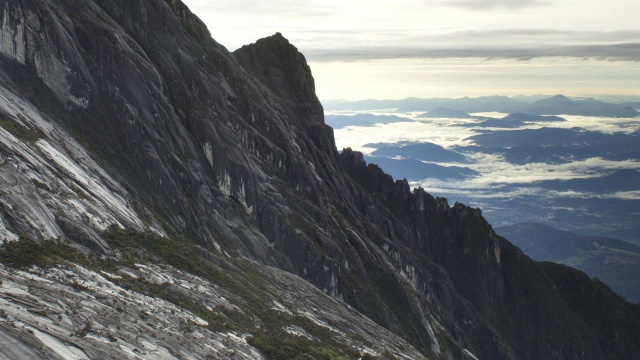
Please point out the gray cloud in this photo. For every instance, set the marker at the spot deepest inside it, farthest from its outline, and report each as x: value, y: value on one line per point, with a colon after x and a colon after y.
x: 528, y: 35
x: 514, y: 43
x: 613, y: 52
x: 483, y: 5
x: 475, y: 37
x: 261, y: 8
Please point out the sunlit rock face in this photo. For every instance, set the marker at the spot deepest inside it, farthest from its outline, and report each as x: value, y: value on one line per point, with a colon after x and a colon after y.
x: 129, y: 132
x: 75, y: 313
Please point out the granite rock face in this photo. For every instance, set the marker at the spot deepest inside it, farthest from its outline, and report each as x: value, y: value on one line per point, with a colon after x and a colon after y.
x: 127, y: 114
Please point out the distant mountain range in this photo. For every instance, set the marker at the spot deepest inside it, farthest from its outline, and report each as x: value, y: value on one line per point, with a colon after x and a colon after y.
x: 531, y: 155
x: 419, y: 151
x: 554, y: 105
x: 615, y: 262
x: 416, y: 169
x: 514, y: 120
x: 556, y: 145
x: 561, y: 104
x: 442, y: 112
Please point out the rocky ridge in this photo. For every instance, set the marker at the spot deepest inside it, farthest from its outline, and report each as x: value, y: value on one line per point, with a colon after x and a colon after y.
x: 74, y: 312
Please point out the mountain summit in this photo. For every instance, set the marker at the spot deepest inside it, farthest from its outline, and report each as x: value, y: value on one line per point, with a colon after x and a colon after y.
x: 556, y: 100
x: 279, y: 65
x: 197, y: 197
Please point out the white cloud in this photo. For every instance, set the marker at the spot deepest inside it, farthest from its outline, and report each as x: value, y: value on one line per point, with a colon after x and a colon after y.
x: 601, y: 124
x: 497, y: 178
x: 485, y: 5
x: 450, y: 189
x: 493, y: 193
x: 626, y: 195
x: 496, y: 171
x: 495, y: 174
x: 445, y: 133
x: 440, y: 133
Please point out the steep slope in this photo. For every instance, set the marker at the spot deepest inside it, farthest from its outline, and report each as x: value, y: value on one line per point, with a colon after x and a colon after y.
x: 219, y: 157
x: 159, y: 312
x: 200, y: 145
x: 528, y: 302
x: 615, y: 262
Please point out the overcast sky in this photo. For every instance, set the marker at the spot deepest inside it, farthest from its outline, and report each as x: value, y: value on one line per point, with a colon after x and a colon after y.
x: 446, y: 48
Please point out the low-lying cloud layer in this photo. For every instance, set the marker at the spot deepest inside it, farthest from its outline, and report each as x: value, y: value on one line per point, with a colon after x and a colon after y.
x: 500, y: 179
x: 497, y: 177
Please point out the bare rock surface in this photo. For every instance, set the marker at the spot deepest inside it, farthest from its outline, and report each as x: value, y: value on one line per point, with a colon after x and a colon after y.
x: 73, y: 312
x: 127, y: 131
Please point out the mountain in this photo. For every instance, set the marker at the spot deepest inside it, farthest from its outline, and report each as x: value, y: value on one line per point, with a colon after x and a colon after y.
x: 529, y: 98
x: 522, y: 117
x: 556, y: 100
x: 465, y: 104
x: 515, y: 120
x: 420, y: 151
x: 554, y: 105
x: 615, y: 262
x: 560, y: 104
x: 162, y: 197
x: 416, y: 169
x: 634, y: 104
x: 445, y: 113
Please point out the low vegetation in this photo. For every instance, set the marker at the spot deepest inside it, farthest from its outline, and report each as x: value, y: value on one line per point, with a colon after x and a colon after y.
x: 248, y: 286
x: 26, y: 252
x: 19, y: 131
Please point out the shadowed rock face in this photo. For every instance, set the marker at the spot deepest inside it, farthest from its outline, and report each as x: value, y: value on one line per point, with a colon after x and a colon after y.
x: 231, y: 149
x: 279, y: 65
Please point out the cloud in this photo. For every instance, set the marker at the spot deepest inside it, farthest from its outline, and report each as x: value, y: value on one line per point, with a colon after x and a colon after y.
x: 605, y: 125
x: 262, y: 8
x: 497, y: 177
x: 439, y: 133
x: 626, y: 195
x: 437, y: 188
x: 614, y: 52
x: 495, y: 172
x: 505, y: 43
x: 533, y: 36
x: 530, y: 191
x: 493, y: 4
x: 431, y: 29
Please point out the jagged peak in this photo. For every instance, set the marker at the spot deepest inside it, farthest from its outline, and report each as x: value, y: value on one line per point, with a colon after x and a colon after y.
x: 275, y: 42
x: 278, y: 38
x: 281, y: 67
x: 356, y: 158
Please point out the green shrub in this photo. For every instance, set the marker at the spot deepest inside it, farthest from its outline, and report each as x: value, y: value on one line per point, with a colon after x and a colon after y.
x: 19, y: 131
x: 26, y: 252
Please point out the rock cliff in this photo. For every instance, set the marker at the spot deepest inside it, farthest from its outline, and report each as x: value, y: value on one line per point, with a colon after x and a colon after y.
x: 128, y: 132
